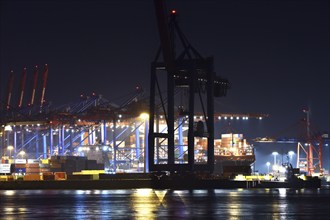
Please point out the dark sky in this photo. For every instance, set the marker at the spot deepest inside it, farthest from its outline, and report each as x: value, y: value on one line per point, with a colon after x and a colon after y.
x: 275, y: 53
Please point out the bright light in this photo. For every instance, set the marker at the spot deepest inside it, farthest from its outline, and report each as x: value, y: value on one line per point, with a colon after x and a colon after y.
x: 260, y: 118
x: 231, y: 118
x: 10, y: 148
x: 22, y: 153
x: 144, y: 116
x: 8, y: 128
x: 219, y: 118
x: 237, y: 118
x: 276, y: 167
x: 225, y: 118
x: 291, y: 153
x: 79, y: 149
x: 105, y: 148
x: 268, y: 164
x: 282, y: 169
x: 275, y: 154
x: 97, y: 148
x: 240, y: 177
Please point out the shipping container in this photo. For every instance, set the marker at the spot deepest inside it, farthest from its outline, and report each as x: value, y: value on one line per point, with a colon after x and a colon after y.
x: 32, y: 177
x: 60, y: 175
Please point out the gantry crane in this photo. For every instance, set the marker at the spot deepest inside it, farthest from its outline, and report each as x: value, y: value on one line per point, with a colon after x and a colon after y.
x: 309, y: 146
x: 306, y: 160
x: 193, y: 72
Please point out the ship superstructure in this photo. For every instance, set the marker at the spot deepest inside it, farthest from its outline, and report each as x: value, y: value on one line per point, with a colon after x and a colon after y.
x: 233, y: 155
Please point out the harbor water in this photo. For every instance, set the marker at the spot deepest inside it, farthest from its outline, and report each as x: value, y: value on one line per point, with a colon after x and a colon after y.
x: 166, y: 204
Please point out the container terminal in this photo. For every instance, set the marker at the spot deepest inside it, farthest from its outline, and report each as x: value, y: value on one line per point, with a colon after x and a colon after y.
x: 165, y: 141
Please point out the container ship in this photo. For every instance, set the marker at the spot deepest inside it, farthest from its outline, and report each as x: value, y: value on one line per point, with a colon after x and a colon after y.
x: 233, y: 155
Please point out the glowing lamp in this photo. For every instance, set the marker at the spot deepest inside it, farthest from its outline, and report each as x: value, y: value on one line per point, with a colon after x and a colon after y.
x: 8, y: 128
x: 144, y: 116
x: 22, y: 153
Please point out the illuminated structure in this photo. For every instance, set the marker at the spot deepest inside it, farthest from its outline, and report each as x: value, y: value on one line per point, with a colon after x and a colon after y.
x: 116, y: 134
x: 75, y: 129
x: 93, y: 127
x: 233, y: 155
x: 309, y: 147
x: 306, y: 160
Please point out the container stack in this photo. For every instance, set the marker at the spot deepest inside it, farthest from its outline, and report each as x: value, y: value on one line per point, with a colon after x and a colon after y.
x: 70, y: 164
x: 32, y: 167
x: 19, y: 167
x: 48, y: 176
x: 44, y: 166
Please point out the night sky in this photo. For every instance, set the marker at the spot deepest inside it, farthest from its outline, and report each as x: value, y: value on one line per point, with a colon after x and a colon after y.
x: 275, y: 53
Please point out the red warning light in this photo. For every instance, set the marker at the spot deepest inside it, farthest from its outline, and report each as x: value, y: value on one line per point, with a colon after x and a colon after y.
x: 173, y: 11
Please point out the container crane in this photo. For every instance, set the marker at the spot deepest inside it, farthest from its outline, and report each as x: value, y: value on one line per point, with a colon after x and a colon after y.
x: 21, y: 88
x: 309, y: 146
x: 191, y: 71
x: 9, y: 89
x: 34, y: 85
x: 44, y: 81
x: 306, y: 160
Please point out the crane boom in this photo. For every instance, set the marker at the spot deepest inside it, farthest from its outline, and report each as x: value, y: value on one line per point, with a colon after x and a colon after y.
x: 44, y: 81
x: 9, y: 89
x: 22, y: 88
x: 34, y: 84
x: 164, y: 34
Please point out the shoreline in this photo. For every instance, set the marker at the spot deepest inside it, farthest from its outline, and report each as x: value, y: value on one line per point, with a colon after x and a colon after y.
x: 150, y: 183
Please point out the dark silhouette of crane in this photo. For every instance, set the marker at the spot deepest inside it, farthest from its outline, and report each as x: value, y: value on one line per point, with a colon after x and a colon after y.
x: 193, y: 72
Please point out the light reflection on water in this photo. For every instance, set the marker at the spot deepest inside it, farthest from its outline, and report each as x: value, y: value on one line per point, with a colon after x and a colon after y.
x: 175, y: 204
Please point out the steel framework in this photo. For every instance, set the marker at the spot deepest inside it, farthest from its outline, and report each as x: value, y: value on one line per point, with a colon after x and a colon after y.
x: 191, y: 71
x: 306, y: 160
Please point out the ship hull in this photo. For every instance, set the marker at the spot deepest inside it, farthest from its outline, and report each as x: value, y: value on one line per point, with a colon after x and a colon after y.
x: 233, y: 165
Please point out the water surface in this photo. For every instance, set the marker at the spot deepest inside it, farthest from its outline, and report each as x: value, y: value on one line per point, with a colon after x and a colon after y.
x: 166, y: 204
